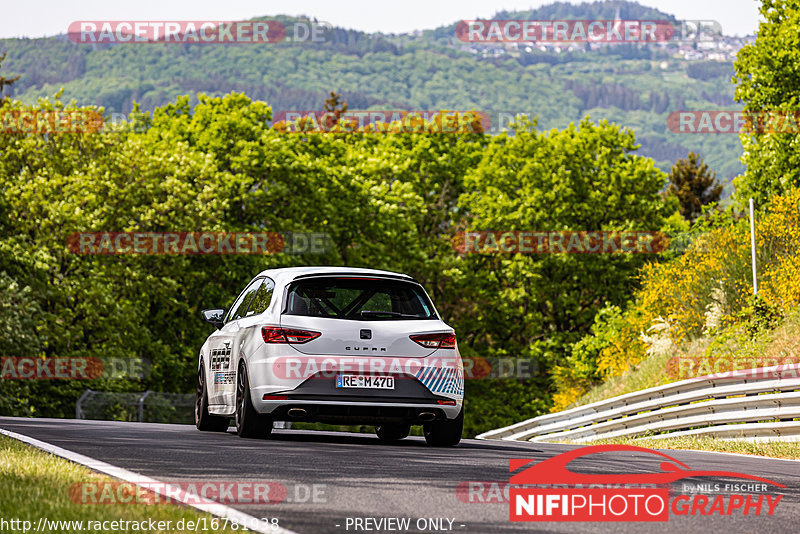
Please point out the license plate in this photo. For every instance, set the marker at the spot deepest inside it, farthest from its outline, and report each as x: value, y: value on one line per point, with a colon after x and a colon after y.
x: 364, y: 382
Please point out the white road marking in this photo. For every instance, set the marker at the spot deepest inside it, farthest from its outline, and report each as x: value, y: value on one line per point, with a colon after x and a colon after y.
x: 155, y: 486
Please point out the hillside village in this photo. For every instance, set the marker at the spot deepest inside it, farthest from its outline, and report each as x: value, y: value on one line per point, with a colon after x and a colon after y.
x: 694, y: 41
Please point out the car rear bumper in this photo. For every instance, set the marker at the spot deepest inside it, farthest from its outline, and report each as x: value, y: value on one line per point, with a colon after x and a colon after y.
x: 356, y: 412
x: 433, y: 392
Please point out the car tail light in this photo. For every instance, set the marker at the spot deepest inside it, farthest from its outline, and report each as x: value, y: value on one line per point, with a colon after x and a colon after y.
x: 274, y: 397
x: 276, y: 334
x: 435, y: 341
x: 447, y: 402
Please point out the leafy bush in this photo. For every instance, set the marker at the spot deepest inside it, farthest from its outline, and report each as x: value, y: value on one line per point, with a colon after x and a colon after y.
x: 706, y: 290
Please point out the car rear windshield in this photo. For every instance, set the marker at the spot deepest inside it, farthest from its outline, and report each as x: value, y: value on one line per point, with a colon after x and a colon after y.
x: 359, y: 299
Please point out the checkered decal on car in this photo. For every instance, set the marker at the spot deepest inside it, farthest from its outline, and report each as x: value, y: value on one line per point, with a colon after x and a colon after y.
x: 224, y: 378
x: 221, y: 358
x: 442, y: 379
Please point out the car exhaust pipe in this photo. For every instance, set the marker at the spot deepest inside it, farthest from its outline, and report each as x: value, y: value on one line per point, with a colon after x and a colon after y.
x: 426, y: 416
x: 298, y: 413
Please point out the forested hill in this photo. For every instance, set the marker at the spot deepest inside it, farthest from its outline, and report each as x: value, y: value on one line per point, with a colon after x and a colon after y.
x: 635, y: 86
x: 607, y: 10
x: 590, y: 10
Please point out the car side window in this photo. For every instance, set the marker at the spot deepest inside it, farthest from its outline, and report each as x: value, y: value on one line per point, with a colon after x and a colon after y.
x: 262, y: 298
x: 240, y: 305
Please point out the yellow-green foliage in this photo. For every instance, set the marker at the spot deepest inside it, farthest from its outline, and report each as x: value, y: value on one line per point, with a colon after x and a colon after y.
x: 779, y: 233
x: 705, y: 290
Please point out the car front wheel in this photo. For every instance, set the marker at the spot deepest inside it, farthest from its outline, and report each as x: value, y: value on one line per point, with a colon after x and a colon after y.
x: 444, y: 433
x: 249, y: 423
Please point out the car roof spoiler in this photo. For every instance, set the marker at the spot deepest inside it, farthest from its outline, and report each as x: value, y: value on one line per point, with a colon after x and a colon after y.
x: 357, y: 275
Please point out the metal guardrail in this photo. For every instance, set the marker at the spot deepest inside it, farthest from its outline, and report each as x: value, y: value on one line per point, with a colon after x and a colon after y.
x: 755, y: 404
x: 144, y: 407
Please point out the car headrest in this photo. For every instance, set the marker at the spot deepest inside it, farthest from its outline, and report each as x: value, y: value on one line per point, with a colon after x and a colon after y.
x: 297, y: 305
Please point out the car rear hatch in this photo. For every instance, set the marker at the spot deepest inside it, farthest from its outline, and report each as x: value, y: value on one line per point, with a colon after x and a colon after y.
x: 360, y: 316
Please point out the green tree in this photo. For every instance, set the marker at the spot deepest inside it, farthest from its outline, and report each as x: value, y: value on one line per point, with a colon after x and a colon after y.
x: 336, y: 104
x: 109, y: 306
x: 5, y: 81
x: 694, y: 185
x: 579, y: 179
x: 769, y: 82
x: 216, y: 166
x: 386, y: 201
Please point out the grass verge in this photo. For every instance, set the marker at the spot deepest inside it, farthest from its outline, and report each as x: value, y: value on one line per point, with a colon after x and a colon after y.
x: 773, y: 449
x: 35, y: 484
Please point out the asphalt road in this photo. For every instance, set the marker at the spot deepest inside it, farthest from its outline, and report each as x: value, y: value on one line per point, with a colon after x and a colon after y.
x: 358, y: 477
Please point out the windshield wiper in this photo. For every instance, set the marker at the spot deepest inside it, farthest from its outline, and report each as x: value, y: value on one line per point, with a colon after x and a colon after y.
x: 370, y: 313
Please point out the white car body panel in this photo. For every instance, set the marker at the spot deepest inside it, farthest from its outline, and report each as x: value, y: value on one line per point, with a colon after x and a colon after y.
x: 307, y: 371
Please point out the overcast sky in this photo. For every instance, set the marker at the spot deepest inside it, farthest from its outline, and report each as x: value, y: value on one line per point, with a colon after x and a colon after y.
x: 36, y: 18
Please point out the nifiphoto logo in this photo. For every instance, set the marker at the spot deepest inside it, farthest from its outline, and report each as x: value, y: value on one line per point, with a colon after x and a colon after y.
x: 548, y: 490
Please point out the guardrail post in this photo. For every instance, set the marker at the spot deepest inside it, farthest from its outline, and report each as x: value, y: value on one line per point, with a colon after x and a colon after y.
x: 79, y: 404
x: 141, y: 403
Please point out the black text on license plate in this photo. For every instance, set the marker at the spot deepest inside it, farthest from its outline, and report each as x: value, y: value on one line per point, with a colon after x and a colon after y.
x: 364, y: 382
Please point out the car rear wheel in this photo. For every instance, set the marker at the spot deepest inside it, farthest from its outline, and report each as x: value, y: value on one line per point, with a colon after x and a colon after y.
x: 392, y: 431
x: 202, y: 419
x: 249, y: 423
x: 444, y: 433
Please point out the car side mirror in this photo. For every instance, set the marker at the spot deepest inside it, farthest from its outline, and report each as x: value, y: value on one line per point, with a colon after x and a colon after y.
x: 214, y: 317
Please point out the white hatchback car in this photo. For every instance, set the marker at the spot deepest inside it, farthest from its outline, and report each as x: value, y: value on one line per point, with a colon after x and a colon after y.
x: 336, y: 345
